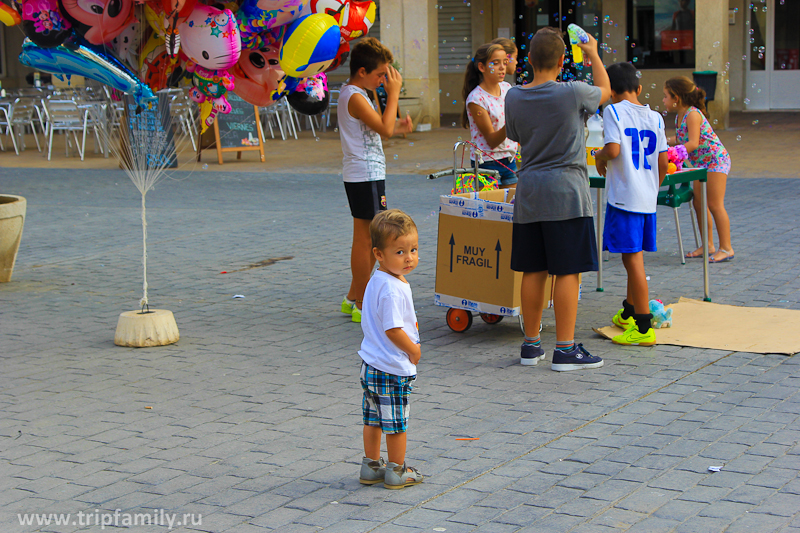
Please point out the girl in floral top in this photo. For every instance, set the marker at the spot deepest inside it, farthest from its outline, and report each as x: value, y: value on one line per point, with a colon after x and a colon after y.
x: 484, y: 112
x: 705, y: 150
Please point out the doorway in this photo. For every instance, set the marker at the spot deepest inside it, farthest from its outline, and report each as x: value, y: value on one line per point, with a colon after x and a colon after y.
x: 773, y: 55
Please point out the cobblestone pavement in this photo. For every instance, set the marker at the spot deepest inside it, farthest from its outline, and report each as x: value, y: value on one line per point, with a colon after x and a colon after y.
x: 253, y: 419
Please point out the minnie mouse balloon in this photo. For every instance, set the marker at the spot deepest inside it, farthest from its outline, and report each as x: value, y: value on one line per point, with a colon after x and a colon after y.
x: 43, y: 23
x: 99, y: 21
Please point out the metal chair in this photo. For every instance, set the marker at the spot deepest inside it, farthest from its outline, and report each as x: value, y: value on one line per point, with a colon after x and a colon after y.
x: 23, y: 114
x: 181, y: 109
x: 64, y: 115
x: 5, y: 124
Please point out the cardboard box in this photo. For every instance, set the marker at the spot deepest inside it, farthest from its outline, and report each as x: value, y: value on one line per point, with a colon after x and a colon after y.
x: 473, y: 254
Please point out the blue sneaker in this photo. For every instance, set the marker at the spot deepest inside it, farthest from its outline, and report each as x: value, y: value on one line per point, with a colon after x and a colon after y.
x: 575, y: 359
x: 530, y: 355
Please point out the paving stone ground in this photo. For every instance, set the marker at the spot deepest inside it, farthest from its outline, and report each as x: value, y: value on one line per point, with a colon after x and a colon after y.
x: 252, y: 419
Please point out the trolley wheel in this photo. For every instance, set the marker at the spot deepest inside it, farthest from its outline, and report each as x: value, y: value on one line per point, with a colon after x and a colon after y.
x: 491, y: 319
x: 459, y: 320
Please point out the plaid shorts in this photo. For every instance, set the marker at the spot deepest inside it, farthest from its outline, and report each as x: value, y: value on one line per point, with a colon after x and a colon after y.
x: 385, y: 403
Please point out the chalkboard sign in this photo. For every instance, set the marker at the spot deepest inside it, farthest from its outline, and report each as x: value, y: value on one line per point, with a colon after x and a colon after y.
x: 149, y: 134
x: 239, y: 130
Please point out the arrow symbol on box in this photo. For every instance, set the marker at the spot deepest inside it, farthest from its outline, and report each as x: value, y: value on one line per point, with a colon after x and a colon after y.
x: 452, y: 244
x: 498, y: 249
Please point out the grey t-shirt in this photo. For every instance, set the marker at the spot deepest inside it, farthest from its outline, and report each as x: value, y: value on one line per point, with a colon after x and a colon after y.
x: 547, y: 121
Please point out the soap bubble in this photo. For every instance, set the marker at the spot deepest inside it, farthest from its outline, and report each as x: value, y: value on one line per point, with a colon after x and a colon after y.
x: 205, y: 167
x: 738, y: 137
x: 411, y: 144
x: 455, y: 102
x: 746, y: 101
x: 638, y: 74
x: 396, y: 157
x: 316, y: 139
x: 652, y: 85
x: 454, y: 124
x: 647, y: 95
x: 716, y: 44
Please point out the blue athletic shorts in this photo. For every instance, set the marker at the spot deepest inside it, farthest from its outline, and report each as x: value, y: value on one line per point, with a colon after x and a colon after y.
x: 508, y: 176
x: 625, y: 232
x: 385, y: 403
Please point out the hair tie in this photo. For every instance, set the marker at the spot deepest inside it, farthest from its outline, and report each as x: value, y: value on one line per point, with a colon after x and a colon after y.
x: 473, y: 59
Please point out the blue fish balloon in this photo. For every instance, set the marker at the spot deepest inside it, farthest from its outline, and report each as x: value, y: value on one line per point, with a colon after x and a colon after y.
x: 80, y: 59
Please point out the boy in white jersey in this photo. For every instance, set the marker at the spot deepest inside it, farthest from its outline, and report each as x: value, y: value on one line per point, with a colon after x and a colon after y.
x: 390, y: 350
x: 634, y: 161
x: 364, y: 165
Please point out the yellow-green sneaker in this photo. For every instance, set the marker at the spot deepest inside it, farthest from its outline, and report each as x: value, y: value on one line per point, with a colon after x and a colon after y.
x: 632, y: 337
x: 355, y: 316
x: 347, y: 306
x: 624, y: 323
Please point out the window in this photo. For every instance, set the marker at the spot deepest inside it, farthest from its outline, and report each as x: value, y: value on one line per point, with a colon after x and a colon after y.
x: 661, y: 33
x: 455, y: 35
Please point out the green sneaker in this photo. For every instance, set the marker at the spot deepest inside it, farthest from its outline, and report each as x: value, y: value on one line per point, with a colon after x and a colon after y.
x: 624, y: 323
x: 355, y: 316
x: 347, y: 306
x: 632, y: 337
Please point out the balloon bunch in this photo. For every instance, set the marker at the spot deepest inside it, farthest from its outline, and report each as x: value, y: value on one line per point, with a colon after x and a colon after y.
x: 260, y: 49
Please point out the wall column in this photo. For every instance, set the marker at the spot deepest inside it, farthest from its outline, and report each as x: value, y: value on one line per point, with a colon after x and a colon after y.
x: 410, y: 29
x: 711, y: 53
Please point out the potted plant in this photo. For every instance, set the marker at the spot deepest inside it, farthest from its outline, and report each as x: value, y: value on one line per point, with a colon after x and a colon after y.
x: 12, y: 218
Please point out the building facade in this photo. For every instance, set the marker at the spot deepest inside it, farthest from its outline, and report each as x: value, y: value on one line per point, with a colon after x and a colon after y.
x: 752, y: 45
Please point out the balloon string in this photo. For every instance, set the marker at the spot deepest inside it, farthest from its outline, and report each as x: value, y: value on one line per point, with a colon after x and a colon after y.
x: 144, y: 300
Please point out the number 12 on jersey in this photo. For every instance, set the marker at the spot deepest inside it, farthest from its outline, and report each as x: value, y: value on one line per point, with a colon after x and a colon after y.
x: 638, y: 138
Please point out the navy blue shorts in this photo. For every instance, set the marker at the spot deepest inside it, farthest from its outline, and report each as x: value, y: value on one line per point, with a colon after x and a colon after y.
x: 560, y: 247
x: 625, y: 232
x: 508, y: 176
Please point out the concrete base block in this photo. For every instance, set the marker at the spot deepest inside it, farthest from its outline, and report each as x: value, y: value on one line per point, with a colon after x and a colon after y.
x: 141, y: 330
x: 12, y: 219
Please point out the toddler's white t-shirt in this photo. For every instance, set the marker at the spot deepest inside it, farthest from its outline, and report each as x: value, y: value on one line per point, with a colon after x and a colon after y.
x: 388, y: 304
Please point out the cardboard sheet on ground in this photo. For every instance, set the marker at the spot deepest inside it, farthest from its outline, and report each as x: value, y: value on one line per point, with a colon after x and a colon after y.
x: 702, y: 324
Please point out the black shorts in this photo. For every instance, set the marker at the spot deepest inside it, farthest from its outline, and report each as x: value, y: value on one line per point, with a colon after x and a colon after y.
x: 366, y: 198
x: 560, y: 247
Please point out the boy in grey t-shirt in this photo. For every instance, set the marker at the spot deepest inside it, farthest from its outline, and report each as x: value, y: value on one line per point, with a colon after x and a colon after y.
x: 553, y: 229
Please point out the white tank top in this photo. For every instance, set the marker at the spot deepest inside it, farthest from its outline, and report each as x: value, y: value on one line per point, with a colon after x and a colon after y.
x: 363, y: 152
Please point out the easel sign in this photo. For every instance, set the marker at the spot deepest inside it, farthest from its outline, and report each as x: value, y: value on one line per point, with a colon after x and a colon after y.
x: 238, y: 131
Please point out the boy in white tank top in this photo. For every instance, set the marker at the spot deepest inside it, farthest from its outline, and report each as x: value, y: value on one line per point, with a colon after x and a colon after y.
x: 364, y: 165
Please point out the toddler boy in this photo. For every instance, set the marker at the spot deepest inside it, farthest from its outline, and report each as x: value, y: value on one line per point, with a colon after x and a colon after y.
x: 390, y: 350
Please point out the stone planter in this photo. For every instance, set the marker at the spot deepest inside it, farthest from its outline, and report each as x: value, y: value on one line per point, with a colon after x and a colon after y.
x: 12, y: 218
x: 411, y: 105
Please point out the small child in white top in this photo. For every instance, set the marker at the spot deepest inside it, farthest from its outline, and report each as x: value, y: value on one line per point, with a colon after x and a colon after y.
x: 634, y: 161
x: 390, y: 350
x: 485, y: 115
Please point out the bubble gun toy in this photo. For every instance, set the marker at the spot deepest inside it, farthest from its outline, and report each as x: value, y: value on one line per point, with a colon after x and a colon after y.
x: 577, y: 35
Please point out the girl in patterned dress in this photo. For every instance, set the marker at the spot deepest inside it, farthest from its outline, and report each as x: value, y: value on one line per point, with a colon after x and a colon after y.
x: 705, y: 150
x: 484, y: 112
